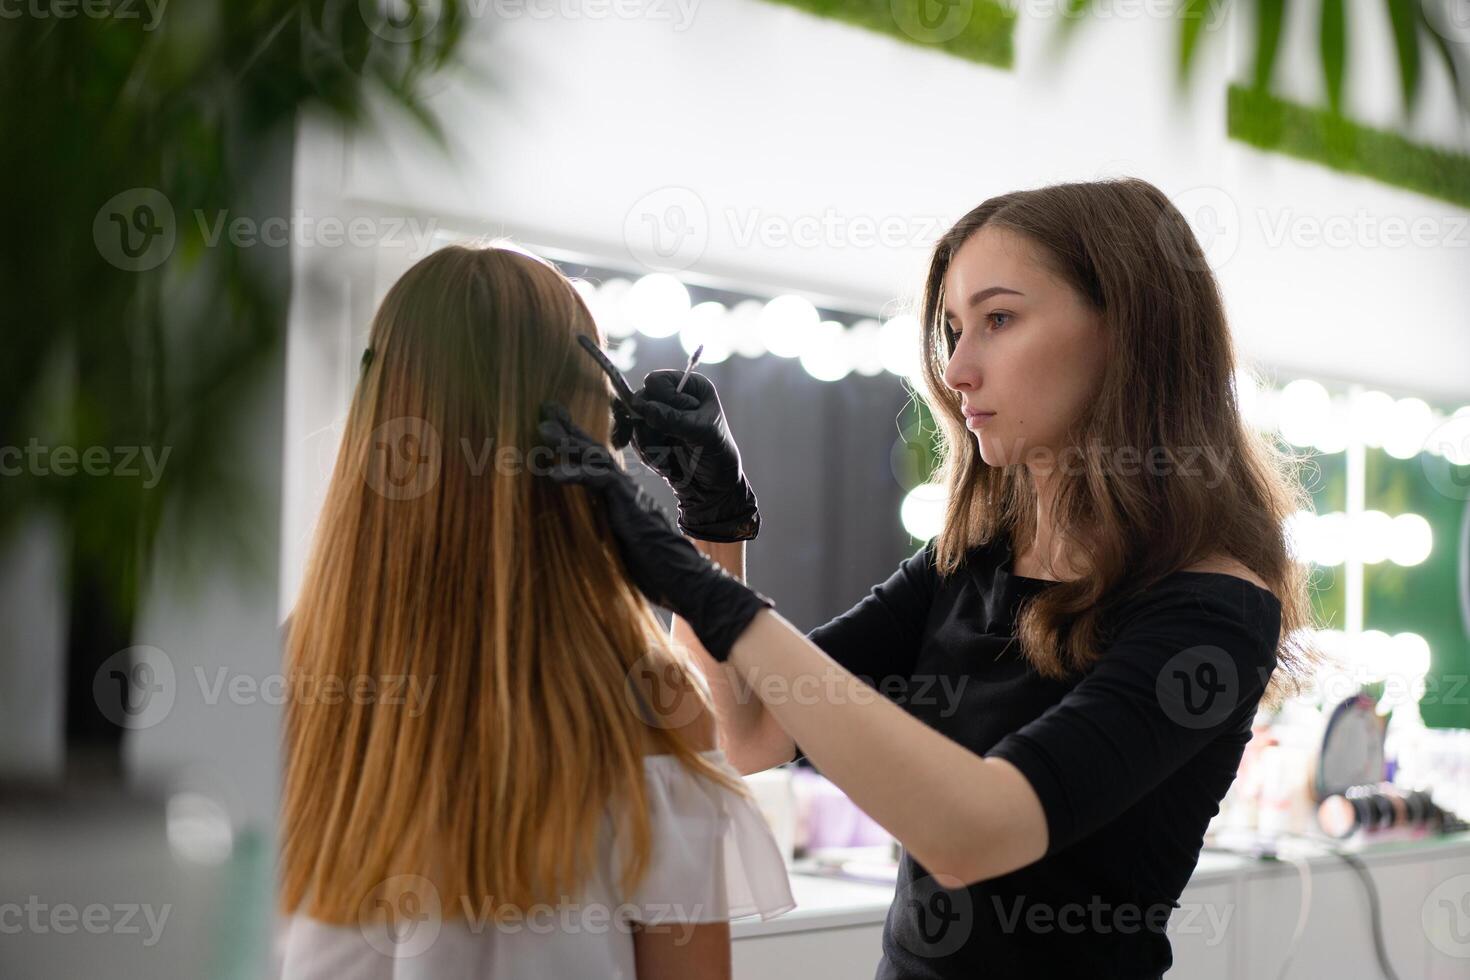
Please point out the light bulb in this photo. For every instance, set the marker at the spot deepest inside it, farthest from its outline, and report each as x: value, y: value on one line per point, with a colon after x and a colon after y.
x: 785, y: 323
x: 708, y: 324
x: 826, y: 356
x: 657, y: 305
x: 898, y: 345
x: 1410, y: 539
x: 922, y: 511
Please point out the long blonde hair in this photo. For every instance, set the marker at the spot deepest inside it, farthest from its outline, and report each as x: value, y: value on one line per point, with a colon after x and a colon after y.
x: 489, y: 598
x: 1129, y: 253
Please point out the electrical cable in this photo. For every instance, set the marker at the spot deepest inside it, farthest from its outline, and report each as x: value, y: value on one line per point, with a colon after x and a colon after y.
x: 1266, y: 851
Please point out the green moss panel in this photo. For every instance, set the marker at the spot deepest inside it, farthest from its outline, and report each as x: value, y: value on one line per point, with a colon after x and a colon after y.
x: 977, y: 30
x: 1264, y: 120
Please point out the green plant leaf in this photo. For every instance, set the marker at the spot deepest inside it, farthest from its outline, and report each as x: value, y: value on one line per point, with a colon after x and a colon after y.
x: 1404, y: 16
x: 1333, y: 39
x: 1269, y: 16
x: 1192, y: 17
x: 1073, y: 13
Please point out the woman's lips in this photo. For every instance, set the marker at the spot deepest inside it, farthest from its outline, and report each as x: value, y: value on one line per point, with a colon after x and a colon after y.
x: 975, y: 421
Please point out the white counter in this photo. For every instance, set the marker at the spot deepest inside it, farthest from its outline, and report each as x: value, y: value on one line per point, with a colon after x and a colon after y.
x: 1250, y: 909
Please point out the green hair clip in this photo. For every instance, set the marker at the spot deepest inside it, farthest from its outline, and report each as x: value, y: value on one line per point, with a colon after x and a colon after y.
x: 367, y: 358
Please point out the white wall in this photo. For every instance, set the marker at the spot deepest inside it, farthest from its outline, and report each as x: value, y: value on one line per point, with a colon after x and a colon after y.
x: 752, y: 110
x: 33, y: 609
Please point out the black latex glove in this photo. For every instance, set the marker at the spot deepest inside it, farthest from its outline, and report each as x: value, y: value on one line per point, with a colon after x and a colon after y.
x: 664, y: 566
x: 683, y: 437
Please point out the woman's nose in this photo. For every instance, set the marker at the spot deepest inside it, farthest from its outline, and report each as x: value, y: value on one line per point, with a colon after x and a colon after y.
x: 961, y: 373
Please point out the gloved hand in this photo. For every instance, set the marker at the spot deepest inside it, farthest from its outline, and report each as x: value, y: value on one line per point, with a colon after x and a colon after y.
x: 682, y: 436
x: 663, y: 565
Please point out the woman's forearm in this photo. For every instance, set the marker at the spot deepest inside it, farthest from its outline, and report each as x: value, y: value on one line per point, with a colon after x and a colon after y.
x: 751, y: 738
x: 955, y: 811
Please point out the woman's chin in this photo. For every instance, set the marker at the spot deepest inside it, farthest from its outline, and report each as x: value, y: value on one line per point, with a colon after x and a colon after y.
x: 996, y: 451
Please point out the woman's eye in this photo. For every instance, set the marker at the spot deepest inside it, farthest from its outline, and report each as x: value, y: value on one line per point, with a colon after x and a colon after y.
x: 997, y: 321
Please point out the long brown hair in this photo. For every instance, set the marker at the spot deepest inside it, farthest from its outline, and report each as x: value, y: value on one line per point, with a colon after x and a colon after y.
x: 1168, y: 382
x: 493, y: 597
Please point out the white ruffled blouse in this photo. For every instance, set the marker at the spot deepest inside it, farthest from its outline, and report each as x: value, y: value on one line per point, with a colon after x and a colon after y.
x: 714, y: 859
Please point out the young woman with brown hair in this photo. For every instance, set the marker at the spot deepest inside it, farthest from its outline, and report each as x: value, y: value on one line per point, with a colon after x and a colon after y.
x: 1110, y: 600
x: 522, y: 805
